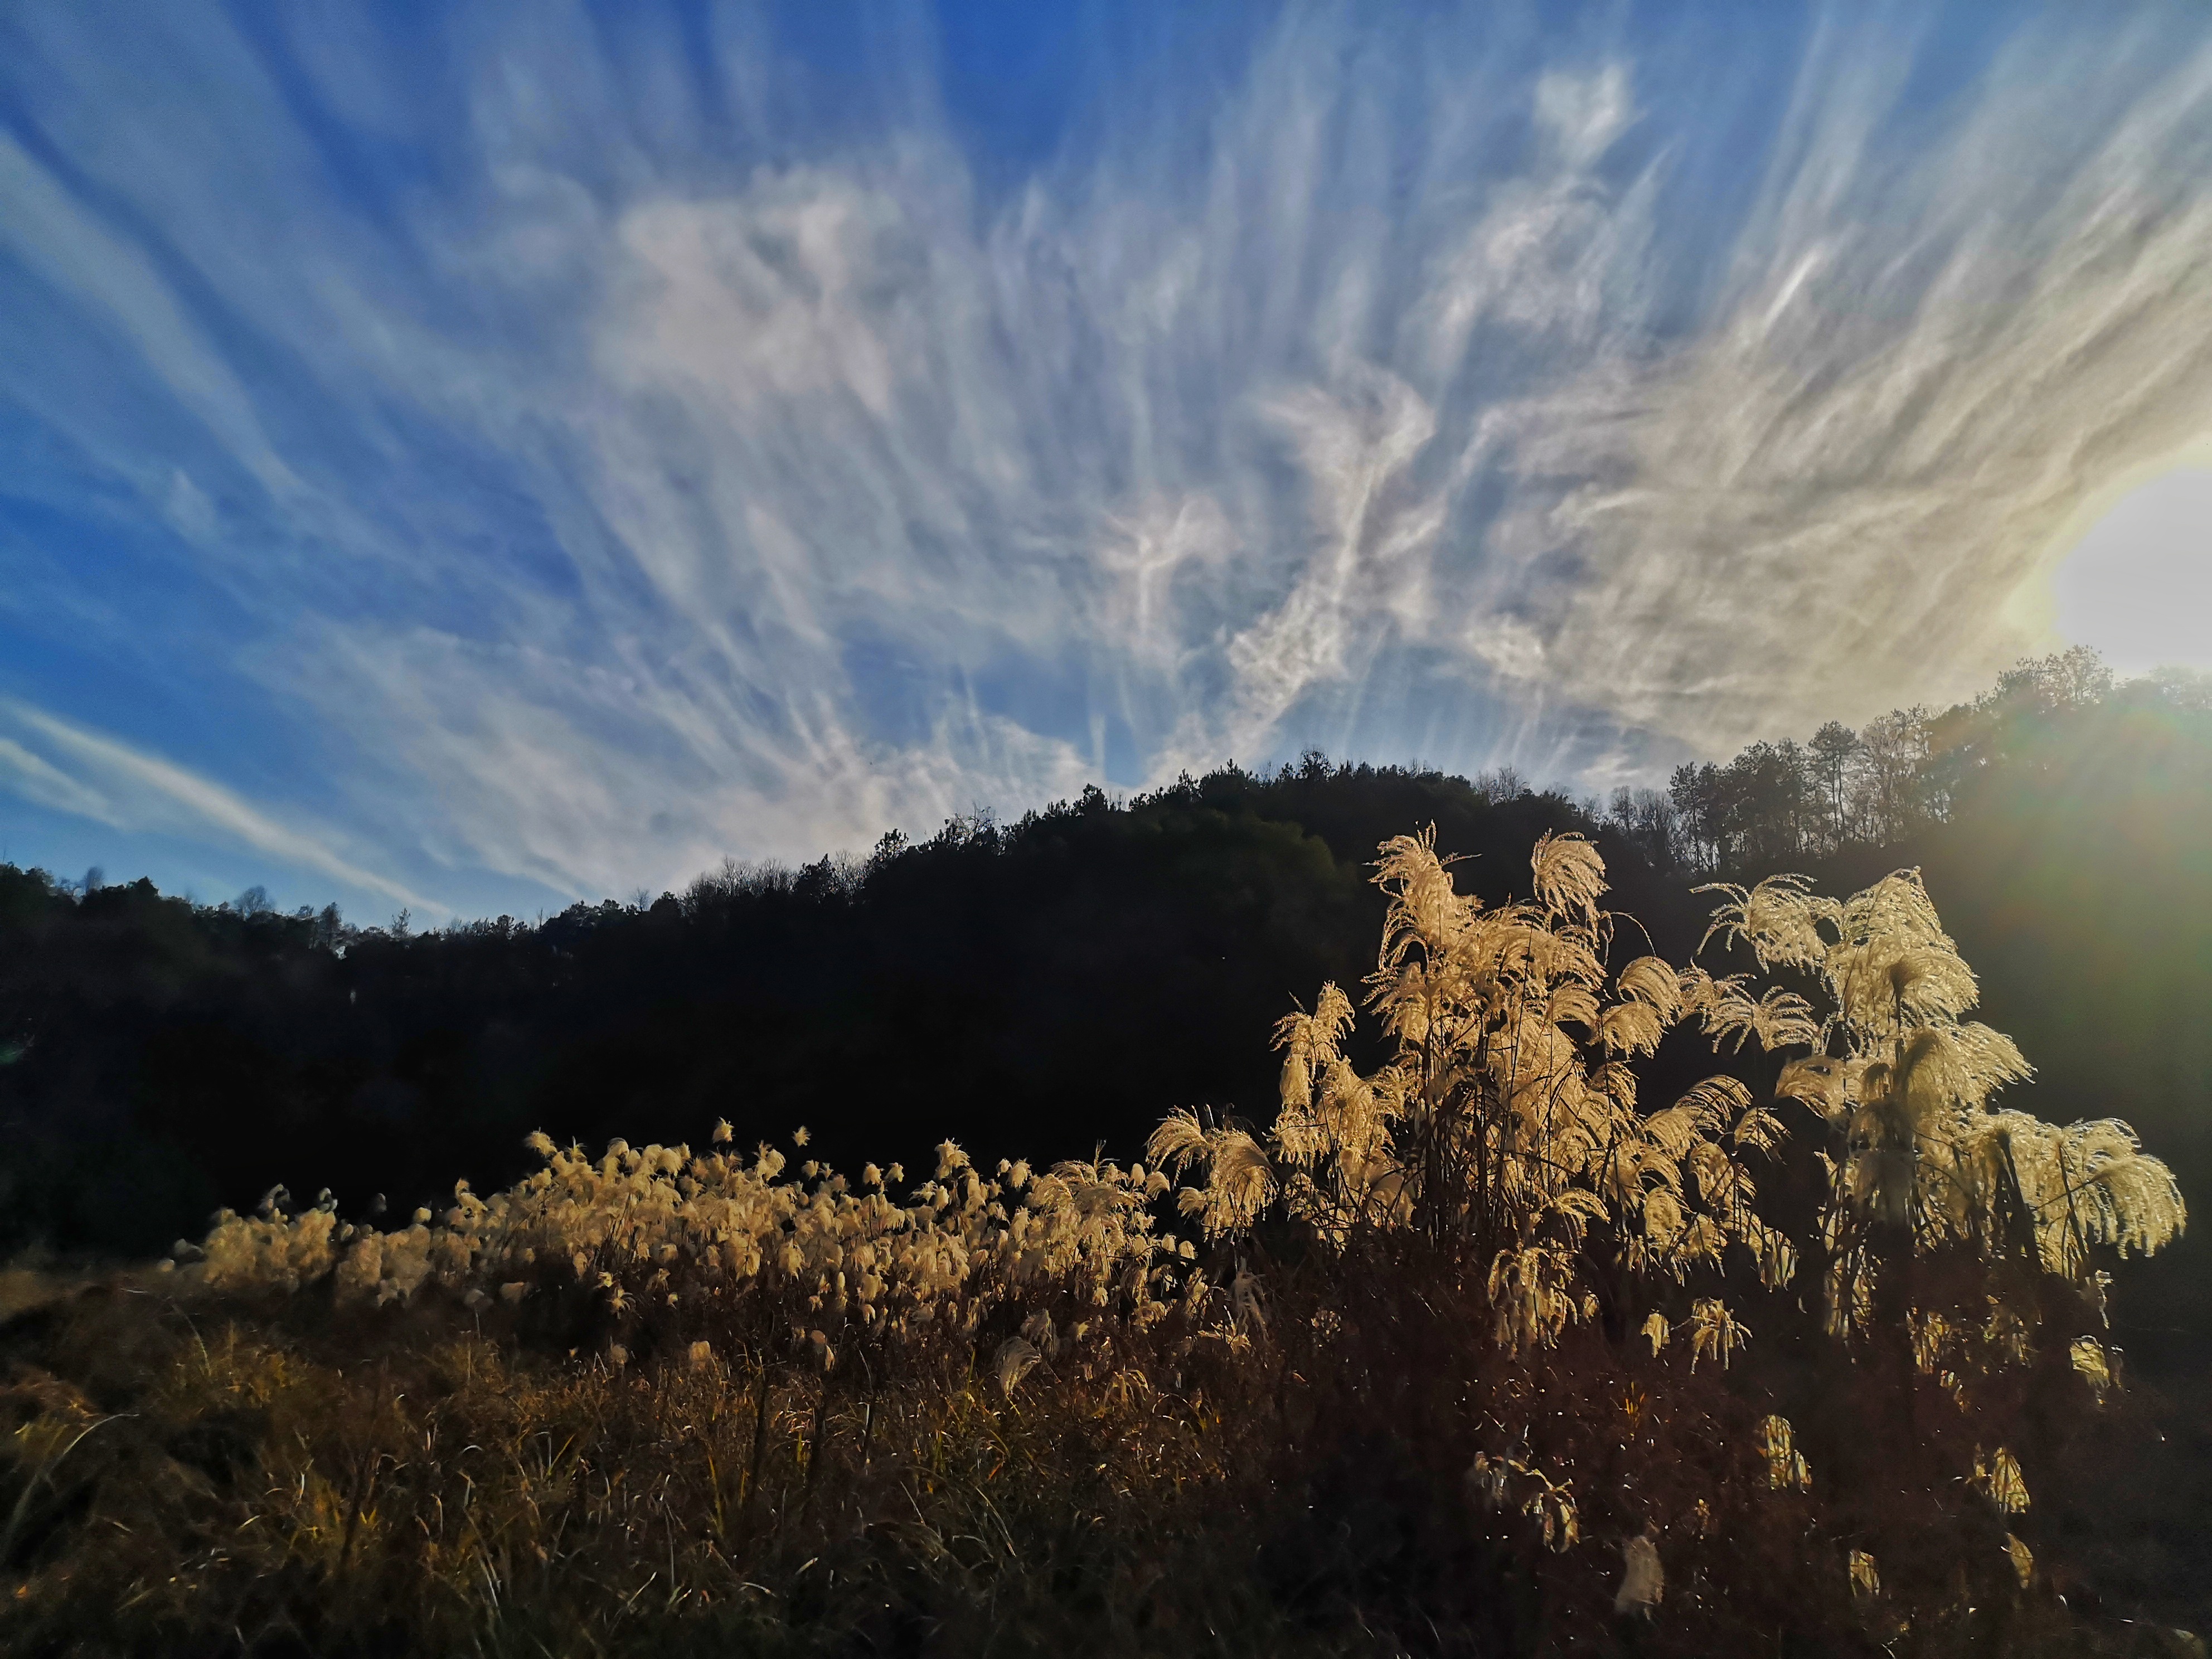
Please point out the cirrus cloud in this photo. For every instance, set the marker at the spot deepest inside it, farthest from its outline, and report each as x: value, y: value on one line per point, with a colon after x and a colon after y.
x: 590, y: 452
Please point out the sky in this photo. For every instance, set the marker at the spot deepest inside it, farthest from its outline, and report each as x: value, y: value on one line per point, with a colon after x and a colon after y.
x: 469, y: 459
x: 2138, y: 586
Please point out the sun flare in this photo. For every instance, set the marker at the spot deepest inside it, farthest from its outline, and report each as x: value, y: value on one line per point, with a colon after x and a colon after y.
x: 2138, y: 586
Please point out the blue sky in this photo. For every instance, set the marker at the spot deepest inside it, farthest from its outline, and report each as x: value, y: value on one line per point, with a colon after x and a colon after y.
x: 471, y: 458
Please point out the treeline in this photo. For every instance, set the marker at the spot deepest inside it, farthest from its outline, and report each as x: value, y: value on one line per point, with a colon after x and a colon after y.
x: 1781, y: 805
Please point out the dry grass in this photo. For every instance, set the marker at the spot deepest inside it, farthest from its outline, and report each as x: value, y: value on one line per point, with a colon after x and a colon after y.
x: 189, y: 1476
x: 184, y: 1478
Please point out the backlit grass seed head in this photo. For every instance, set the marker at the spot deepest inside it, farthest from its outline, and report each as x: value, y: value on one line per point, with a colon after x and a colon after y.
x: 1786, y: 1468
x: 663, y: 1233
x: 1506, y: 1481
x: 1570, y: 876
x: 1997, y: 1478
x: 1652, y: 982
x: 1715, y: 1333
x: 1920, y: 1148
x: 1016, y: 1358
x: 1506, y: 1126
x: 2095, y: 1366
x: 1642, y: 1581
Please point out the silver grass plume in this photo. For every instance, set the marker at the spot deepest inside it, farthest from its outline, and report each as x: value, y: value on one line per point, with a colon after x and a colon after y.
x: 1506, y: 1127
x: 1920, y: 1148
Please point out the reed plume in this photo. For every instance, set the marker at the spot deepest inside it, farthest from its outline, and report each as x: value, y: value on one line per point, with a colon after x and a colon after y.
x: 1921, y: 1158
x: 1505, y: 1134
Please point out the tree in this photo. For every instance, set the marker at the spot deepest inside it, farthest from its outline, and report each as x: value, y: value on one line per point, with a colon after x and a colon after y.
x: 1649, y: 821
x: 1700, y: 797
x: 1775, y: 803
x: 1764, y: 789
x: 1891, y: 796
x: 1832, y: 749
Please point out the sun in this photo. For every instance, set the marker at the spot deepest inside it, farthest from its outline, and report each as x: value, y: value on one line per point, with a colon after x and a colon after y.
x: 2138, y: 586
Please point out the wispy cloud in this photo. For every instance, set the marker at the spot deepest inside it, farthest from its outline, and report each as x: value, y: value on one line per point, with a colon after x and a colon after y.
x: 113, y: 784
x: 609, y: 461
x: 39, y: 781
x: 49, y: 231
x: 1842, y: 491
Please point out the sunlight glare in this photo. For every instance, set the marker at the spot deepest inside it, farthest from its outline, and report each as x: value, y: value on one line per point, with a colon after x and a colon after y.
x: 2138, y: 586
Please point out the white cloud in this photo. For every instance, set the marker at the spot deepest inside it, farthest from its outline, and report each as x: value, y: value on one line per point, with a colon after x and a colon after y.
x: 38, y: 781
